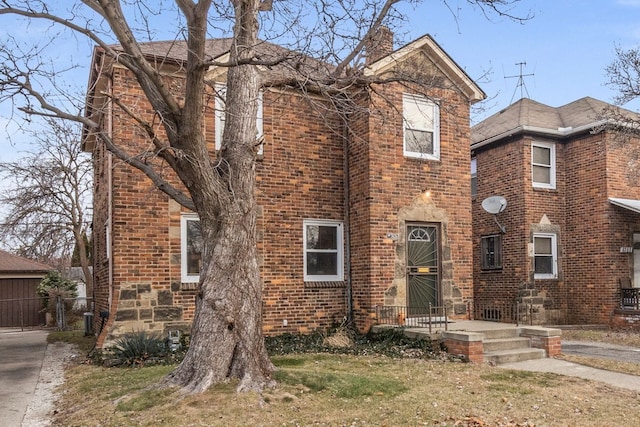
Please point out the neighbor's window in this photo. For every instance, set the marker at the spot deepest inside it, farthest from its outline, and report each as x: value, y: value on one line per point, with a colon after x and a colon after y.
x: 421, y: 127
x: 221, y: 94
x: 491, y: 247
x: 474, y: 177
x: 545, y: 256
x: 323, y: 246
x: 543, y: 165
x: 191, y: 247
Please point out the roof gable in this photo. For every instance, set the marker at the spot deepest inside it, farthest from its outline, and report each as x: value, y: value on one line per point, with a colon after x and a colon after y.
x: 428, y: 47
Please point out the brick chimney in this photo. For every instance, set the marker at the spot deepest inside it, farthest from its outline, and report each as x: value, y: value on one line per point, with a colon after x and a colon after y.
x: 380, y: 45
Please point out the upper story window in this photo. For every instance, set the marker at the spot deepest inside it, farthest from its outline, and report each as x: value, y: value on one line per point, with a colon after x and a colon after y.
x: 421, y: 119
x: 474, y: 176
x: 323, y: 247
x: 190, y: 248
x: 545, y: 255
x: 543, y: 165
x: 221, y: 94
x: 491, y: 248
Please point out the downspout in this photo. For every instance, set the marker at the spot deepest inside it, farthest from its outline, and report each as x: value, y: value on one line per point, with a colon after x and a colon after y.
x: 109, y: 224
x: 347, y: 225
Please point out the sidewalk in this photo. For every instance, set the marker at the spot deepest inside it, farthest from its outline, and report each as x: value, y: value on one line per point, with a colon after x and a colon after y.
x: 590, y: 349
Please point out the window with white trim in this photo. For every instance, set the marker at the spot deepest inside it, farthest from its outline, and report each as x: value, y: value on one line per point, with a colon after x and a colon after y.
x: 545, y: 254
x: 421, y: 119
x: 543, y: 165
x: 190, y: 248
x: 474, y: 176
x: 323, y: 251
x: 221, y: 94
x: 491, y: 249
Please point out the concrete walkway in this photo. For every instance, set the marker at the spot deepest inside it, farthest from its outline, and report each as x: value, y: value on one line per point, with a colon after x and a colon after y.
x: 562, y: 367
x: 557, y: 366
x: 588, y: 349
x: 21, y: 357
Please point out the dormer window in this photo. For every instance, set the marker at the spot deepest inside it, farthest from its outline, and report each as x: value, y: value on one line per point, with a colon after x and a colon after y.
x: 421, y: 119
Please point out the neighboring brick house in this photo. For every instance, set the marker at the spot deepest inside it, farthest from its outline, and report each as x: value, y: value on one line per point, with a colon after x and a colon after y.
x: 571, y: 217
x: 353, y: 200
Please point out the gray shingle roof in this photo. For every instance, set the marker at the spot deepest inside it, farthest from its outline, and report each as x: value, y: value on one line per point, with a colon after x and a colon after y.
x: 284, y: 61
x: 10, y: 263
x: 529, y: 114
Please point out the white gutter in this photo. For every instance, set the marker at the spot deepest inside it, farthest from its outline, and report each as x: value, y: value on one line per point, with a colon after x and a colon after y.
x: 559, y: 132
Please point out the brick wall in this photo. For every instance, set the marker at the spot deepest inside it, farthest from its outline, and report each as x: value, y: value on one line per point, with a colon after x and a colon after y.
x: 299, y: 176
x: 501, y: 172
x: 589, y: 169
x: 390, y: 190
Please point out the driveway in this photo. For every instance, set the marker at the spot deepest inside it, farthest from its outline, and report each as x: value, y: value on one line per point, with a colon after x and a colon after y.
x: 21, y: 357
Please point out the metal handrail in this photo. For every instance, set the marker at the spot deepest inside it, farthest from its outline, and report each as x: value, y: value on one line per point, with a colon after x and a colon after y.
x: 429, y: 317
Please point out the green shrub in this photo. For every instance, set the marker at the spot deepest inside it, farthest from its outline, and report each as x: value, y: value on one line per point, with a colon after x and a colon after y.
x: 54, y: 285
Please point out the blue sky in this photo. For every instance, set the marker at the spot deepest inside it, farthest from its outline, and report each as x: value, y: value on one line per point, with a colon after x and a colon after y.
x: 566, y: 46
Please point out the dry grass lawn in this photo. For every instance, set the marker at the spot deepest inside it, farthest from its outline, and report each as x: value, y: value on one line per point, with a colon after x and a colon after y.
x: 339, y: 390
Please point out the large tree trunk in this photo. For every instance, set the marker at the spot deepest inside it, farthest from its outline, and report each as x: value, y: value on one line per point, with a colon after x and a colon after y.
x: 227, y: 339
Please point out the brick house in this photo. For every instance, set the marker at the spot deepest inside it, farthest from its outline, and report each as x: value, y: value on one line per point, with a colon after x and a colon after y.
x: 571, y: 217
x: 346, y: 224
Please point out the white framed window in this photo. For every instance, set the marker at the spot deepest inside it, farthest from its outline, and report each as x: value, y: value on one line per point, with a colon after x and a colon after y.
x: 421, y: 119
x: 491, y: 249
x: 543, y: 165
x: 474, y: 176
x: 545, y: 254
x: 190, y: 248
x: 107, y: 234
x: 221, y: 93
x: 323, y: 251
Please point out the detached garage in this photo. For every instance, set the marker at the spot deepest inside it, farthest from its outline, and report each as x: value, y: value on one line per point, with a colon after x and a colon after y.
x: 19, y: 303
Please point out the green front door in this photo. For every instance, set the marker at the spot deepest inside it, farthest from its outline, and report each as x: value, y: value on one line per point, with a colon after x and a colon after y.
x: 423, y: 268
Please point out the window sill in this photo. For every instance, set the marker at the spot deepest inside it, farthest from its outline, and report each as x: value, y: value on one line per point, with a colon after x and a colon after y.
x: 188, y: 286
x: 545, y: 189
x: 324, y: 285
x: 546, y: 279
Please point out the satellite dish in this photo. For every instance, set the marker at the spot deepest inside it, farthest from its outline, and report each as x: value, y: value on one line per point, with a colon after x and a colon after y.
x: 494, y: 204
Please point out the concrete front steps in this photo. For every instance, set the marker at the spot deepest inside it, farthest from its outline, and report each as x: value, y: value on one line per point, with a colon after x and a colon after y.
x: 505, y: 346
x: 500, y: 344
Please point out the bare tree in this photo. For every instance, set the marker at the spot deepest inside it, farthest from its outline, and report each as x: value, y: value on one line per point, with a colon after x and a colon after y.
x: 48, y: 198
x: 226, y: 340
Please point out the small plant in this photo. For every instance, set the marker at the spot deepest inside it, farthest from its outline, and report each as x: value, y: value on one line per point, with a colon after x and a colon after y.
x: 53, y: 285
x: 137, y: 349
